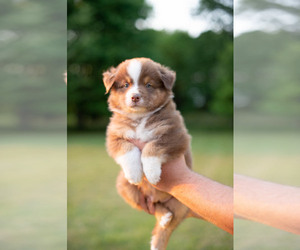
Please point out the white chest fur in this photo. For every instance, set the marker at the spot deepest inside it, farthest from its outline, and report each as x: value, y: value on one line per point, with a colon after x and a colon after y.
x: 151, y: 164
x: 141, y: 132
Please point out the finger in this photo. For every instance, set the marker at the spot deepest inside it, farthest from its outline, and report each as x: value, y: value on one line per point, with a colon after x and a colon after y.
x: 142, y: 202
x: 195, y: 215
x: 150, y: 205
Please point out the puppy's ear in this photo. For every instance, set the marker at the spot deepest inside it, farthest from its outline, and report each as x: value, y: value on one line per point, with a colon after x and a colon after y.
x: 167, y: 76
x: 109, y: 78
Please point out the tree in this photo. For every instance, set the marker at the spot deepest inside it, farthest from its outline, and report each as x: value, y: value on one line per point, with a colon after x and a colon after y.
x: 101, y: 34
x: 33, y: 53
x: 274, y: 15
x: 220, y: 12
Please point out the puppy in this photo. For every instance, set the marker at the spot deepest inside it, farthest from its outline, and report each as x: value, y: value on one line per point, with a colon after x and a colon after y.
x: 141, y: 100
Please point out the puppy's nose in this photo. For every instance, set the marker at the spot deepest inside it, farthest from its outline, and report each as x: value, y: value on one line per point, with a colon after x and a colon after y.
x: 136, y: 98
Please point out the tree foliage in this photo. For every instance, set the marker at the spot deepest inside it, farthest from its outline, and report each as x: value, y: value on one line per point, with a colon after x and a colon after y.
x: 220, y: 12
x: 267, y: 63
x: 284, y: 15
x: 267, y: 72
x: 32, y: 60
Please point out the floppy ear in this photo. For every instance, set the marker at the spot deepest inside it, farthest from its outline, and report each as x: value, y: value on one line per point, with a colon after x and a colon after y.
x: 167, y: 76
x: 109, y: 78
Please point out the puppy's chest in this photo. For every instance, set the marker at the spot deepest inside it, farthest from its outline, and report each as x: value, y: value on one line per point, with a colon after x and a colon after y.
x: 140, y: 130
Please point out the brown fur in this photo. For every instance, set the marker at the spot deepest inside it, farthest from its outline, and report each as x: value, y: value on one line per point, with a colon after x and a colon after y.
x: 168, y: 138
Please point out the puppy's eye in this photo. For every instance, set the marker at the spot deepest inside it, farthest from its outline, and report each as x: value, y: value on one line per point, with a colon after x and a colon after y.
x: 126, y: 85
x: 148, y: 85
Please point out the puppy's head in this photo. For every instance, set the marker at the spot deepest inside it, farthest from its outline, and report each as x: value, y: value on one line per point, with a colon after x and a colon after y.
x: 138, y: 85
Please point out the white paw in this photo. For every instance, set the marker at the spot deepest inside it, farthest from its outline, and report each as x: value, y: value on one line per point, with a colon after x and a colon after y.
x: 134, y: 178
x: 152, y: 169
x: 165, y: 219
x: 131, y: 165
x: 152, y: 243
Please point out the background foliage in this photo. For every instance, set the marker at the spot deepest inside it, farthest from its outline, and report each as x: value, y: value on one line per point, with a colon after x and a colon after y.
x: 104, y: 33
x: 267, y: 64
x: 32, y: 60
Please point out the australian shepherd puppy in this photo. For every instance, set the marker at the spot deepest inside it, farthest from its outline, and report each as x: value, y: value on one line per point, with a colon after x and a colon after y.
x: 141, y: 100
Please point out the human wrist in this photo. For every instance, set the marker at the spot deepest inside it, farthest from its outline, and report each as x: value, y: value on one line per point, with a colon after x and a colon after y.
x: 174, y: 174
x: 182, y: 182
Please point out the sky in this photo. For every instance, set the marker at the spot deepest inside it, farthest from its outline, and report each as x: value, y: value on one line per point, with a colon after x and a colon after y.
x: 173, y: 15
x: 268, y: 20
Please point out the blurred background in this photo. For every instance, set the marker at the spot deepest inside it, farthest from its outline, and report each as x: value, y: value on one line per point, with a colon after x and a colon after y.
x: 194, y: 38
x: 33, y: 121
x: 103, y: 33
x: 267, y: 106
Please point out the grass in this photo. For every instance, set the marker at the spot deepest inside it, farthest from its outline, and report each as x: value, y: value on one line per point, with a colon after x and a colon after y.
x: 272, y: 156
x: 99, y: 219
x: 33, y: 191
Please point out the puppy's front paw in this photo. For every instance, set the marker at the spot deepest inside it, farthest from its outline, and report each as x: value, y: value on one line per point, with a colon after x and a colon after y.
x: 152, y: 169
x: 134, y: 177
x: 131, y: 165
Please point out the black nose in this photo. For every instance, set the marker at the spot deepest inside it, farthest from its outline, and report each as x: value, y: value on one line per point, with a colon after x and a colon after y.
x: 136, y: 97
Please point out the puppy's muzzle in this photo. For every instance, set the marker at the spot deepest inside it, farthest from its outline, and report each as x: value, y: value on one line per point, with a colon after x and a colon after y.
x: 136, y: 98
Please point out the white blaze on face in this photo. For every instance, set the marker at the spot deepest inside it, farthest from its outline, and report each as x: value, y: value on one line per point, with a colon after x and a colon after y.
x: 134, y: 70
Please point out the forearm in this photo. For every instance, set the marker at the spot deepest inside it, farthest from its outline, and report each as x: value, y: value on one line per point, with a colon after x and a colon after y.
x: 209, y: 199
x: 268, y: 203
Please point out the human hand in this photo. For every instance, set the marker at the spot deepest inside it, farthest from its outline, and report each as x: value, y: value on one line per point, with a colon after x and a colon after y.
x: 146, y: 203
x: 173, y: 172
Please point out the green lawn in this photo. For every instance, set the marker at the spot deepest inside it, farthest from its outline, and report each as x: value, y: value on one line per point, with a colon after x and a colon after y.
x: 271, y: 156
x: 33, y: 191
x: 99, y: 219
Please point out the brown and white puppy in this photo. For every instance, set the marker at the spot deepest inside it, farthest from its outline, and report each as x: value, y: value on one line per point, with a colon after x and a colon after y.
x: 141, y: 100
